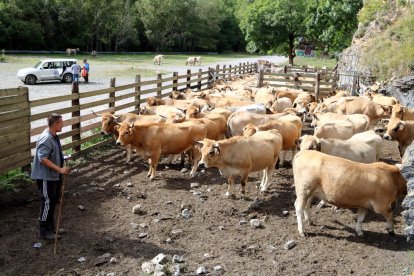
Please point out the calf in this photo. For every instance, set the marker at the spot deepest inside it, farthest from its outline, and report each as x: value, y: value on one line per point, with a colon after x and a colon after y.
x: 362, y: 105
x: 238, y: 156
x: 400, y: 131
x: 345, y: 184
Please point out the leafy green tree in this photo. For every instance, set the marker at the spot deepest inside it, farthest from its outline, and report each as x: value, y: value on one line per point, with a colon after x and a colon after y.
x: 331, y: 23
x: 273, y: 25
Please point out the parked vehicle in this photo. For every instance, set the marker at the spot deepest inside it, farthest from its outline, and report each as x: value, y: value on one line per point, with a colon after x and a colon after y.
x: 48, y: 70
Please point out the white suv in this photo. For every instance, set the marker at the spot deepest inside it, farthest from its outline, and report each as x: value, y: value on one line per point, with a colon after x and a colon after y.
x: 48, y: 70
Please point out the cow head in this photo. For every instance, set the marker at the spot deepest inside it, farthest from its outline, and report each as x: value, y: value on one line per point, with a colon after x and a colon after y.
x: 309, y: 142
x: 126, y: 134
x: 249, y: 130
x: 394, y: 128
x: 210, y: 152
x: 109, y: 123
x: 192, y: 112
x: 315, y: 119
x: 177, y: 95
x: 398, y: 111
x: 151, y: 101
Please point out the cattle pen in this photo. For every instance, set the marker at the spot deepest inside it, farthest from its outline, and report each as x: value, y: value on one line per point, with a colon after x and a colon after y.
x: 22, y: 120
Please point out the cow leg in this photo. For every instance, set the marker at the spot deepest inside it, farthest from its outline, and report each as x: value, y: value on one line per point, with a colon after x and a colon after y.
x: 361, y: 215
x: 387, y: 213
x: 263, y: 179
x: 196, y: 159
x: 282, y: 155
x: 243, y: 183
x: 150, y: 167
x: 155, y: 157
x: 129, y: 153
x: 230, y: 181
x: 300, y: 204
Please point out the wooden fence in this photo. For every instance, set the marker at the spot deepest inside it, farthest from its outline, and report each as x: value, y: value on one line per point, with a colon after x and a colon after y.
x: 22, y: 120
x: 317, y: 81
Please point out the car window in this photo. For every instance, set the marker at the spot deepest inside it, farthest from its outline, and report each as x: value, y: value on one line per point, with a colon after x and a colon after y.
x: 37, y: 64
x: 58, y: 64
x: 45, y: 65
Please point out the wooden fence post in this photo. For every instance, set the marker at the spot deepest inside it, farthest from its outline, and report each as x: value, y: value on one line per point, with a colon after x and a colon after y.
x: 211, y: 77
x: 26, y: 126
x: 260, y: 78
x: 229, y: 71
x: 188, y: 78
x: 175, y: 81
x: 112, y: 94
x: 199, y: 79
x: 240, y: 68
x: 76, y: 127
x: 159, y: 85
x: 248, y: 68
x: 217, y: 72
x: 317, y: 81
x: 296, y: 80
x: 138, y: 92
x: 224, y: 72
x: 354, y: 84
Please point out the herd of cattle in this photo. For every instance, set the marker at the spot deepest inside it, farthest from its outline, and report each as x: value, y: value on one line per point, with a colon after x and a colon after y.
x: 239, y: 129
x: 191, y: 61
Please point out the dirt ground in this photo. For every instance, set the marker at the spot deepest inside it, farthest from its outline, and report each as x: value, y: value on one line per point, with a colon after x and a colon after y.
x: 213, y: 235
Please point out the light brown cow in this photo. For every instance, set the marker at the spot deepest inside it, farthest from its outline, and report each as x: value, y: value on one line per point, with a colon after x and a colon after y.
x: 343, y: 130
x: 400, y: 131
x: 360, y: 121
x: 382, y: 100
x: 73, y: 51
x: 238, y: 156
x: 238, y: 120
x: 288, y: 131
x: 158, y: 59
x: 153, y: 139
x: 110, y: 125
x: 292, y: 94
x: 281, y: 104
x: 362, y: 105
x: 402, y: 112
x: 345, y: 184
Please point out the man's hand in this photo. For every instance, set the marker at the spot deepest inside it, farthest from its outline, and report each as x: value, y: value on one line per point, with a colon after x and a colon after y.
x: 64, y: 170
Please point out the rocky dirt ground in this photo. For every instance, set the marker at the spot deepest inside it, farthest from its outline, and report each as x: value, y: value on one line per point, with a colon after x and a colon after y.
x: 217, y: 233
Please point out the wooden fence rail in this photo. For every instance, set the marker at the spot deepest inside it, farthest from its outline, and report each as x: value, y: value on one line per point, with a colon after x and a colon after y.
x: 319, y: 82
x: 22, y: 120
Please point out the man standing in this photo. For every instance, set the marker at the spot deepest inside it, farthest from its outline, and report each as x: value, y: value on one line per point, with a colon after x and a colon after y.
x: 75, y: 71
x: 48, y: 167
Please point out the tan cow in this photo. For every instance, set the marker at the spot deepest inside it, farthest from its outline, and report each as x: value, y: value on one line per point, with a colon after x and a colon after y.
x: 281, y: 104
x: 400, y: 131
x: 238, y: 120
x: 402, y: 112
x: 153, y: 139
x: 345, y: 184
x: 362, y: 105
x: 164, y: 110
x: 73, y: 51
x: 362, y: 147
x: 342, y: 130
x: 288, y: 131
x: 110, y: 125
x: 292, y: 94
x: 158, y: 59
x: 360, y: 121
x: 382, y: 100
x: 238, y: 156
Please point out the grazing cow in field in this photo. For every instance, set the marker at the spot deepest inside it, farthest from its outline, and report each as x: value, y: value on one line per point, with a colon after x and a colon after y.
x: 400, y: 131
x: 153, y: 139
x: 70, y: 51
x: 192, y: 61
x: 364, y: 147
x: 362, y: 105
x: 238, y: 156
x: 345, y: 184
x: 402, y: 112
x: 158, y: 59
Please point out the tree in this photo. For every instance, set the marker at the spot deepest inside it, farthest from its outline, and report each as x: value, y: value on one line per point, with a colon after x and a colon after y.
x: 273, y: 25
x: 331, y: 24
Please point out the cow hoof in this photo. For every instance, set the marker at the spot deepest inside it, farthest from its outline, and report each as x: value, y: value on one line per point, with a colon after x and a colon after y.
x: 192, y: 175
x: 152, y: 178
x: 391, y: 233
x: 303, y: 235
x: 229, y: 196
x: 361, y: 235
x: 167, y: 167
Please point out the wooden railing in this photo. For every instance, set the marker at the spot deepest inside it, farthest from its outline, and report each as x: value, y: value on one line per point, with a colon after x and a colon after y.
x: 318, y: 82
x: 22, y: 120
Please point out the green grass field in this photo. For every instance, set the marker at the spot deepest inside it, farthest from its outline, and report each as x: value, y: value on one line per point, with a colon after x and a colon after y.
x: 314, y: 61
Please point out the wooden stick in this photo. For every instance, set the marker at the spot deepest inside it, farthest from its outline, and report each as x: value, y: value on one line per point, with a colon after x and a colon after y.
x: 62, y: 190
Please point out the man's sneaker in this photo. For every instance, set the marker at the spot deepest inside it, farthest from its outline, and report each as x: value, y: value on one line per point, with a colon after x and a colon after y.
x: 53, y: 230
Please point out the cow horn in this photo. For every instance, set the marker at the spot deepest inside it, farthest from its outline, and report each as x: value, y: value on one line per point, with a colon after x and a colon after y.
x: 96, y: 114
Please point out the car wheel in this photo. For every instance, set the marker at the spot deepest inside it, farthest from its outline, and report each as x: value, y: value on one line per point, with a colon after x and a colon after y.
x: 67, y: 78
x: 31, y: 79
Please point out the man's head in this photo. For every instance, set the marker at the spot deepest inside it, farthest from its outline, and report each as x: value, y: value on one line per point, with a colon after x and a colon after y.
x: 84, y: 61
x: 55, y: 122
